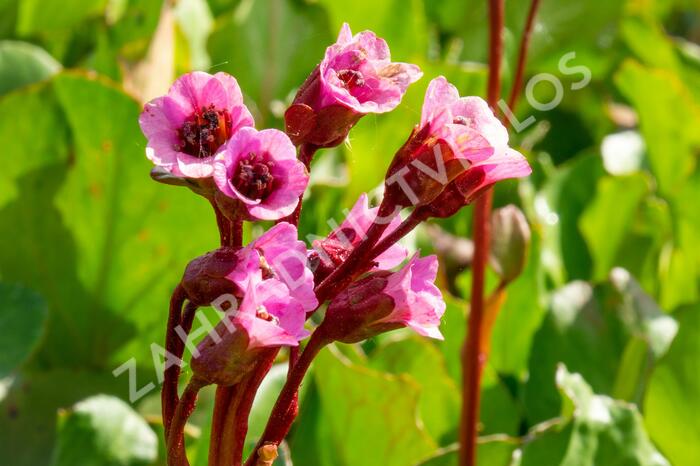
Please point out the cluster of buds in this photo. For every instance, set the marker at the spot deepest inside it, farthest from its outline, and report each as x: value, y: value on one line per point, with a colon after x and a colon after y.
x: 201, y: 135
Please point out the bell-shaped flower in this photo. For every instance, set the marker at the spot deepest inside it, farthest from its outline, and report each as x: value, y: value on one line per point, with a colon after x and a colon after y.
x: 384, y: 301
x: 186, y: 127
x: 260, y: 173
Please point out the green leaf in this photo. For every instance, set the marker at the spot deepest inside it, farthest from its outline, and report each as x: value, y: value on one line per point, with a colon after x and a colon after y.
x: 22, y: 63
x: 439, y: 395
x: 490, y: 451
x: 104, y: 431
x: 559, y: 206
x: 589, y: 329
x: 22, y: 321
x: 110, y: 241
x: 597, y: 430
x: 270, y: 47
x: 37, y: 16
x: 608, y: 219
x: 353, y: 397
x: 28, y: 411
x: 662, y: 101
x: 671, y: 404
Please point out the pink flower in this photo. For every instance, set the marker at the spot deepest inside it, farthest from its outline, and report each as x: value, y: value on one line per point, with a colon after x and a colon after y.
x: 357, y: 72
x: 260, y: 170
x: 418, y: 302
x: 466, y: 123
x: 186, y: 127
x: 270, y: 316
x: 384, y: 301
x: 277, y: 254
x: 455, y: 135
x: 355, y: 77
x: 469, y: 185
x: 330, y: 252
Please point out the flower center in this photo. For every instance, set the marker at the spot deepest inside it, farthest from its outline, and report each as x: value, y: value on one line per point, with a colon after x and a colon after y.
x: 253, y: 177
x: 261, y: 313
x: 204, y: 132
x: 351, y: 79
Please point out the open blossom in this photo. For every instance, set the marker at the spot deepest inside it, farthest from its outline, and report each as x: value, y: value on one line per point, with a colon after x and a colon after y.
x: 466, y: 123
x: 357, y: 72
x: 384, y: 301
x: 355, y: 77
x: 277, y: 254
x: 328, y: 253
x: 456, y: 134
x: 186, y: 127
x: 260, y: 170
x: 267, y: 317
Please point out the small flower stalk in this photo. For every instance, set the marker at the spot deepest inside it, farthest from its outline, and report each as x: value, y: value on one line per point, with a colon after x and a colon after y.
x: 200, y: 135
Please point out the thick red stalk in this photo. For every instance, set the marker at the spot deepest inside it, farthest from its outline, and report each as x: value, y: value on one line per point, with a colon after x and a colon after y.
x: 343, y: 275
x: 472, y: 359
x: 168, y: 394
x: 522, y: 57
x: 306, y: 155
x: 176, y: 437
x: 280, y: 421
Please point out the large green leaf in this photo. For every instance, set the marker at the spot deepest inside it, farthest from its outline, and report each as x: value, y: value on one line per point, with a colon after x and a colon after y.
x: 608, y: 219
x: 270, y: 47
x: 596, y: 431
x: 22, y: 321
x: 439, y: 395
x: 590, y: 329
x: 104, y: 431
x: 110, y: 243
x: 28, y: 411
x: 672, y: 403
x: 662, y: 102
x: 22, y: 63
x: 42, y: 15
x: 353, y: 398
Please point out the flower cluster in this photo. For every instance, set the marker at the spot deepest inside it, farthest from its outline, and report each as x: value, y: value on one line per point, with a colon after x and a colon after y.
x: 202, y: 135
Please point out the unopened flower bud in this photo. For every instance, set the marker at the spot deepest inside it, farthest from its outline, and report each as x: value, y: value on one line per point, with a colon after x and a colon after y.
x: 205, y: 277
x: 510, y: 240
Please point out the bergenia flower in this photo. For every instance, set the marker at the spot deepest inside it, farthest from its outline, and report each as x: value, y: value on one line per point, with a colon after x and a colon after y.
x: 384, y: 301
x: 355, y: 77
x: 464, y: 189
x: 467, y: 124
x: 186, y: 127
x: 455, y: 135
x: 277, y: 254
x: 328, y: 253
x: 268, y: 317
x: 357, y: 72
x: 260, y: 170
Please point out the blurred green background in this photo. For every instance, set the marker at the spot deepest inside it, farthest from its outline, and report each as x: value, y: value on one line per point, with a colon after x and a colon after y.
x: 91, y: 247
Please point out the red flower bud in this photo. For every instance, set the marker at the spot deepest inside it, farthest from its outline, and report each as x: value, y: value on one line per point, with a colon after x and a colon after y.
x: 205, y: 277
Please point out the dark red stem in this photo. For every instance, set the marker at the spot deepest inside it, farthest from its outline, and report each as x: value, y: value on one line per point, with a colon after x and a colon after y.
x: 224, y: 225
x: 472, y: 359
x: 344, y: 274
x: 522, y: 57
x: 280, y: 421
x: 176, y: 437
x: 168, y: 394
x: 306, y: 155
